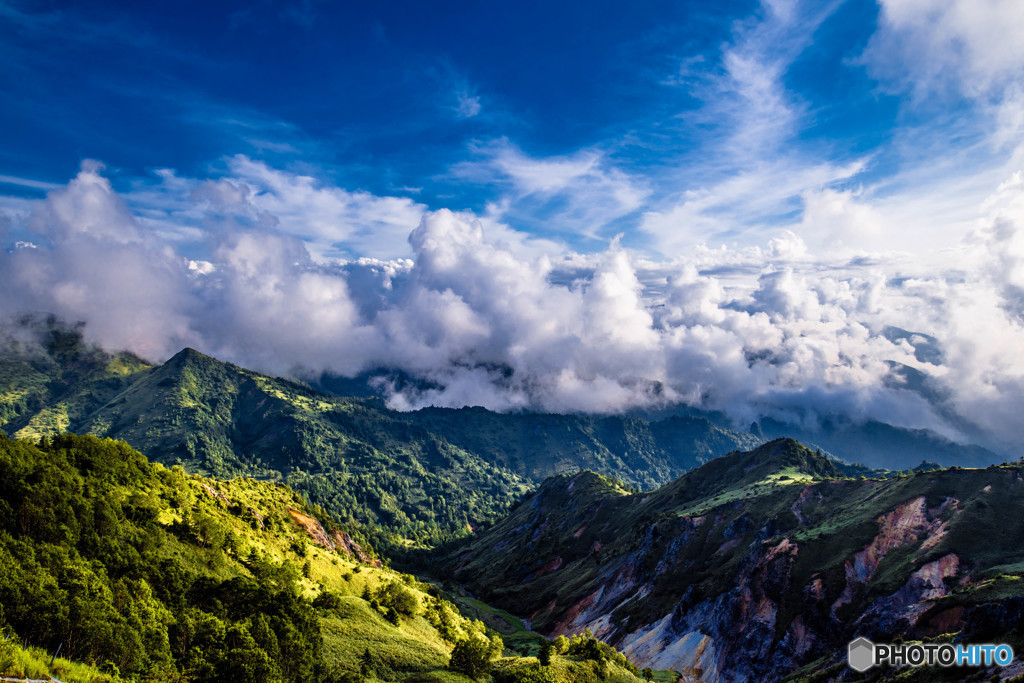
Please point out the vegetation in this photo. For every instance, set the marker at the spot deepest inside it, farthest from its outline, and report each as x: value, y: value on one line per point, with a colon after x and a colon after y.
x: 148, y: 571
x: 91, y: 560
x: 781, y: 527
x: 394, y: 480
x: 584, y: 659
x: 140, y: 572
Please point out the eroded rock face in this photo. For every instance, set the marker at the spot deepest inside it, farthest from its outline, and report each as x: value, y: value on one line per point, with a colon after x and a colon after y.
x: 907, y: 523
x: 345, y: 543
x: 764, y: 625
x: 730, y: 636
x: 755, y: 588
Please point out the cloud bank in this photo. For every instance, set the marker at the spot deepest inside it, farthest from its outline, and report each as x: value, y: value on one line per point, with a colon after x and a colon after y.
x: 481, y: 317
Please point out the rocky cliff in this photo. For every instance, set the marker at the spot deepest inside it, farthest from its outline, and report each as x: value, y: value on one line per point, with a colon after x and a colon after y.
x: 762, y: 565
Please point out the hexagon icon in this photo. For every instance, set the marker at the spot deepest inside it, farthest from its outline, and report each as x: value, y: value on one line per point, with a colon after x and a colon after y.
x: 861, y: 655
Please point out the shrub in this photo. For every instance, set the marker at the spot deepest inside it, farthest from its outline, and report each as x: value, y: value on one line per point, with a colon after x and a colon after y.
x: 472, y: 656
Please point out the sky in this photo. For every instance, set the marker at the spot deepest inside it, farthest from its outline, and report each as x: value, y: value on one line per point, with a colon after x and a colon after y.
x: 776, y: 208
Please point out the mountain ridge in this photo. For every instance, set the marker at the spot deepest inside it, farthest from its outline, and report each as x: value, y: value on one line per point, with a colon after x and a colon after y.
x: 396, y: 479
x: 757, y: 565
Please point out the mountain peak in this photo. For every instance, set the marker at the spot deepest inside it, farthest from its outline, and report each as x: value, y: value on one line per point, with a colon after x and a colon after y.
x: 780, y: 461
x: 789, y: 455
x: 187, y: 355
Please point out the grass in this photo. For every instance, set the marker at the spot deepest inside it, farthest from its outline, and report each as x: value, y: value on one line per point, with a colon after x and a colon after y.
x: 355, y: 627
x: 17, y: 661
x: 511, y: 628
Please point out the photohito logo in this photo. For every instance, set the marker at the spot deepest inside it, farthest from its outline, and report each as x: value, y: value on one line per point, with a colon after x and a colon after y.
x: 863, y: 654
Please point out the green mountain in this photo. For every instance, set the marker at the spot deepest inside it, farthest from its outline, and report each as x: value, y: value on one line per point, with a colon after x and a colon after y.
x: 50, y: 379
x: 536, y: 446
x: 763, y: 565
x: 137, y: 572
x: 396, y: 479
x: 880, y: 445
x: 758, y: 564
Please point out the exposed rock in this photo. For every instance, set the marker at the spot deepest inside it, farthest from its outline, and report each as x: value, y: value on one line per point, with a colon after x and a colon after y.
x: 345, y: 544
x: 313, y: 528
x: 762, y: 584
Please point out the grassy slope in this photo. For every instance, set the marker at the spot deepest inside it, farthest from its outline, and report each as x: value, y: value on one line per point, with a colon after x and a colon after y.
x: 223, y: 530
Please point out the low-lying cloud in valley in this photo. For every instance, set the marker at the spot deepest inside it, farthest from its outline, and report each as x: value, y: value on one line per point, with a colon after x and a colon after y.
x: 482, y: 316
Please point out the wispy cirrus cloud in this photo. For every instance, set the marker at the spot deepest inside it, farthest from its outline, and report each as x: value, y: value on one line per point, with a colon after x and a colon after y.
x: 578, y: 194
x: 748, y: 176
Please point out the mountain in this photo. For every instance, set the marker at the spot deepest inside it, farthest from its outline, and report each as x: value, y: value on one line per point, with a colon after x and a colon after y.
x: 396, y: 479
x: 50, y: 379
x: 879, y: 445
x: 536, y: 446
x: 137, y: 572
x: 397, y: 483
x: 762, y: 565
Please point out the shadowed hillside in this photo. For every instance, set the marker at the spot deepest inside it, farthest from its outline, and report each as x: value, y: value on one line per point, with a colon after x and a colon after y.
x: 760, y: 564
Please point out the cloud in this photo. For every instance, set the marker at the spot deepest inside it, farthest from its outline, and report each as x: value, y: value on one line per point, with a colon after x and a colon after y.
x: 959, y: 57
x: 838, y: 220
x: 468, y: 105
x: 577, y: 194
x: 27, y: 182
x: 970, y: 46
x: 744, y: 206
x: 749, y: 176
x: 484, y: 319
x: 87, y: 206
x: 331, y: 222
x: 94, y: 263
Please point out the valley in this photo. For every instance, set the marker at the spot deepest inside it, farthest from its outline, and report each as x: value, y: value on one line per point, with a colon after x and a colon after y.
x: 668, y: 545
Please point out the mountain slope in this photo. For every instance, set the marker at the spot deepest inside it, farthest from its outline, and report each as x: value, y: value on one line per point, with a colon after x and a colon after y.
x: 399, y: 479
x: 50, y: 379
x: 757, y: 564
x: 393, y: 480
x: 144, y: 573
x: 148, y: 572
x: 536, y: 446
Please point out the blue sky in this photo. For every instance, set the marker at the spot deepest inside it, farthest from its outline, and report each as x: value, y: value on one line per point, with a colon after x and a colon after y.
x: 575, y: 122
x: 560, y: 206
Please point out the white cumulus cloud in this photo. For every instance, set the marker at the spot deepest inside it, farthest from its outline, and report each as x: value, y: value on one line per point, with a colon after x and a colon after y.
x: 477, y: 319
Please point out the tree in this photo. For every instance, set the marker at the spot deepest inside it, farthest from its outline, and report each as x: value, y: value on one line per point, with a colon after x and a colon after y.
x: 545, y: 653
x: 561, y: 645
x: 497, y: 646
x: 647, y: 673
x: 366, y: 663
x: 400, y: 598
x: 472, y: 656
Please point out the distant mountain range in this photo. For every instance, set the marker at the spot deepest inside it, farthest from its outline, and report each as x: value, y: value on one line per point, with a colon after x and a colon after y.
x: 398, y: 478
